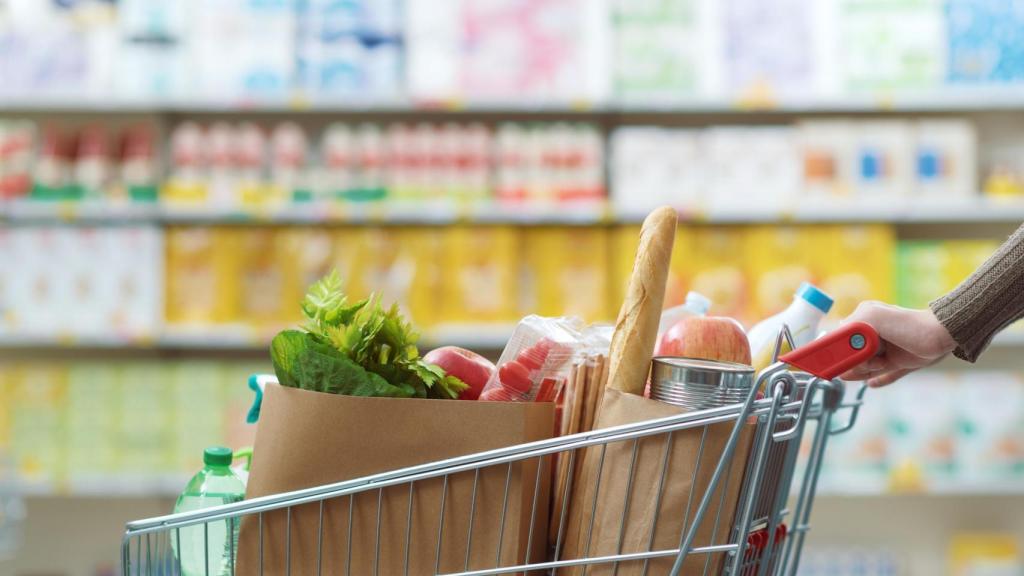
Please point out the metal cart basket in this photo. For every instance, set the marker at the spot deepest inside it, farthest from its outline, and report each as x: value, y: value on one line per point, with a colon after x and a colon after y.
x: 768, y: 525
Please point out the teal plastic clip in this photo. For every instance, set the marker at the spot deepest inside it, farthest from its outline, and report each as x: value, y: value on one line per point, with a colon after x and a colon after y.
x: 256, y: 383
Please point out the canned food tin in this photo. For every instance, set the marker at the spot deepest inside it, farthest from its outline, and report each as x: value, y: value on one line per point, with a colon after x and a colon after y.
x: 699, y: 384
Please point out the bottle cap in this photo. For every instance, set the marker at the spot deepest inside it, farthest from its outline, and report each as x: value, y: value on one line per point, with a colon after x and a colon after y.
x: 697, y: 302
x: 217, y: 456
x: 814, y: 296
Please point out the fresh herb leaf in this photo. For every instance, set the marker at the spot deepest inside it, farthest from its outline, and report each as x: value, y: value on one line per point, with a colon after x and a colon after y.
x: 357, y: 349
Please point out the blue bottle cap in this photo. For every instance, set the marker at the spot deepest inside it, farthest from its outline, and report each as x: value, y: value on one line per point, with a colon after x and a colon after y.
x: 815, y: 297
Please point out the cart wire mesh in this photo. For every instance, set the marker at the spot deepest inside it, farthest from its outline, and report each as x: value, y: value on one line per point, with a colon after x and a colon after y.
x: 758, y: 542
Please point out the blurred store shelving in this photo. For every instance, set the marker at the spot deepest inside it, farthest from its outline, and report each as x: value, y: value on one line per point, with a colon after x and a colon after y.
x: 128, y: 151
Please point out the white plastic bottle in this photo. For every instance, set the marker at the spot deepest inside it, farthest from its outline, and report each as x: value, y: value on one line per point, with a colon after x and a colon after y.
x: 696, y: 304
x: 802, y: 317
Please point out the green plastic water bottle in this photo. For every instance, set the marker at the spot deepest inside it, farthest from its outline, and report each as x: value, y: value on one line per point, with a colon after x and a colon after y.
x: 209, y: 549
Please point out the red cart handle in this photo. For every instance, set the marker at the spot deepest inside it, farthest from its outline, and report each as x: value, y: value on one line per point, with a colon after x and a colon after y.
x: 836, y: 352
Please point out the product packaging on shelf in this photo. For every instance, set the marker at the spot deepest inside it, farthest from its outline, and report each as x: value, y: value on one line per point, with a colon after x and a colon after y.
x: 990, y: 439
x: 660, y: 50
x: 883, y: 166
x: 201, y: 269
x: 923, y: 421
x: 890, y: 46
x: 779, y: 259
x: 480, y: 274
x: 827, y: 150
x: 767, y: 176
x: 264, y: 288
x: 564, y: 272
x: 946, y: 159
x: 551, y: 51
x: 855, y: 263
x: 536, y: 361
x: 38, y: 423
x: 652, y: 166
x: 717, y: 266
x: 92, y: 415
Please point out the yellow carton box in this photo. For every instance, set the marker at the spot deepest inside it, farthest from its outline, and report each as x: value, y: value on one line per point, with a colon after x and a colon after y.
x: 480, y: 274
x: 200, y: 276
x: 565, y: 272
x: 855, y: 263
x: 779, y: 258
x: 38, y: 422
x: 716, y: 267
x: 265, y: 286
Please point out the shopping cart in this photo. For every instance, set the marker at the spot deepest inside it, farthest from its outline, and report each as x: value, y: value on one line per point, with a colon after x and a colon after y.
x: 765, y: 538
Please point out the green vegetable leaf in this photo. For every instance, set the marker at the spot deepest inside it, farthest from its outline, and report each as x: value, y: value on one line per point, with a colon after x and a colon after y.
x: 357, y: 349
x: 285, y: 350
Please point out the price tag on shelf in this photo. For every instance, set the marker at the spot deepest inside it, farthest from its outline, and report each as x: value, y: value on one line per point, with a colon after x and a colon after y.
x: 376, y: 213
x: 581, y: 105
x: 336, y: 211
x: 67, y: 211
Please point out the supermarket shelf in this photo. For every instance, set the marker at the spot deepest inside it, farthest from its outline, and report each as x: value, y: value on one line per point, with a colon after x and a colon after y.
x: 93, y: 212
x: 108, y: 486
x: 907, y: 211
x: 244, y: 338
x: 975, y: 489
x: 950, y: 99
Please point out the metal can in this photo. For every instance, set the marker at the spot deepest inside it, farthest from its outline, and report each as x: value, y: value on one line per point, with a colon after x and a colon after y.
x: 699, y: 384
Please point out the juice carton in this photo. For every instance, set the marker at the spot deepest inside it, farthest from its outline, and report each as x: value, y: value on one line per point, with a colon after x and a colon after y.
x: 480, y: 283
x: 779, y: 259
x: 883, y: 152
x: 859, y: 460
x: 145, y: 432
x: 132, y: 281
x: 984, y: 553
x: 716, y: 265
x: 382, y: 265
x: 923, y: 425
x: 6, y: 406
x: 266, y: 292
x: 945, y: 163
x: 921, y: 275
x: 425, y: 245
x: 92, y: 415
x: 37, y: 426
x: 826, y: 150
x: 564, y: 272
x: 855, y: 263
x: 201, y: 266
x: 197, y: 398
x: 990, y: 439
x: 310, y: 254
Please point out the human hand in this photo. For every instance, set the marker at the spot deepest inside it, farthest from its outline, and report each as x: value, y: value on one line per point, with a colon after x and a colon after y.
x: 911, y: 339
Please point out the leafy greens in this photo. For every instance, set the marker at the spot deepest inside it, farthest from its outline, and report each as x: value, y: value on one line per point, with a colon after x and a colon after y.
x: 356, y: 349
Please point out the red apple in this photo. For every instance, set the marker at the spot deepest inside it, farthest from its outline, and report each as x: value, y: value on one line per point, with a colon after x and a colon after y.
x: 706, y: 337
x: 466, y: 365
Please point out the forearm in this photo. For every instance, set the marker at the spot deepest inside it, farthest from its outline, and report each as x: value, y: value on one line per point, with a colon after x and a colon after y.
x: 987, y: 301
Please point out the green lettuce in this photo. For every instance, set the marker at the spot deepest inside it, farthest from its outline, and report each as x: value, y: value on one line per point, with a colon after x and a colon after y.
x: 356, y: 349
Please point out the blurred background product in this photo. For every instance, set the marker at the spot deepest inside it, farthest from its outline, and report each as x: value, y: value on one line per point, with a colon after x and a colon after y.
x: 174, y: 174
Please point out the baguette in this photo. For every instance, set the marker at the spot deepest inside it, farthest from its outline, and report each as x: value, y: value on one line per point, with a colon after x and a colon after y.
x: 636, y: 328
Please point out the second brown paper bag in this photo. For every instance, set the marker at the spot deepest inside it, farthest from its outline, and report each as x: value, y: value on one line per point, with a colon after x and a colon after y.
x: 597, y: 524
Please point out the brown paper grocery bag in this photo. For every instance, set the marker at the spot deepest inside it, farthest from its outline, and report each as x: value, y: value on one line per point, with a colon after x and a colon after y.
x: 644, y: 513
x: 307, y: 439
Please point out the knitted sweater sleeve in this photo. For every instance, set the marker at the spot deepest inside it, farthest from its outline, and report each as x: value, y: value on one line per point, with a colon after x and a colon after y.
x: 987, y: 301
